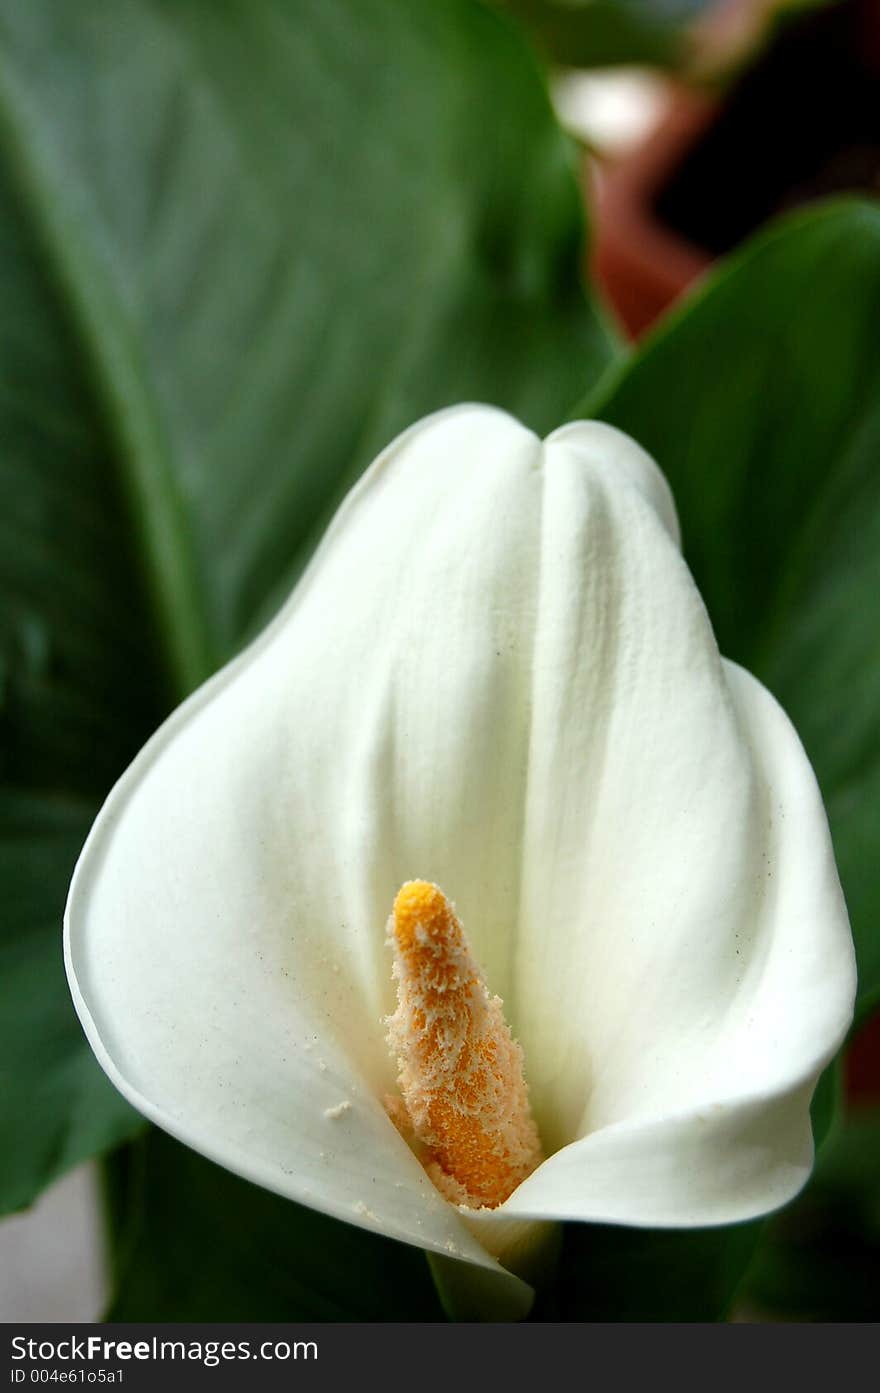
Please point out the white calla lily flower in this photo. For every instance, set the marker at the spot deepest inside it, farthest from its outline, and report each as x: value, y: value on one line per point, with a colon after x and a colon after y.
x: 496, y: 675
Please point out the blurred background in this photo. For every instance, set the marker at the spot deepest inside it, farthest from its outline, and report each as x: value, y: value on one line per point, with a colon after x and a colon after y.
x: 694, y: 125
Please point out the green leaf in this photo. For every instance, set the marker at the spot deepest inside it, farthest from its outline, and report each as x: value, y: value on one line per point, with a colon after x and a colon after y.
x: 760, y: 400
x: 595, y: 33
x: 194, y: 1243
x: 241, y: 245
x: 820, y: 1259
x: 80, y: 687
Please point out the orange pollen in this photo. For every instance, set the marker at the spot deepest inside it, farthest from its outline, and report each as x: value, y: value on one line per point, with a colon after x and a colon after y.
x: 464, y: 1097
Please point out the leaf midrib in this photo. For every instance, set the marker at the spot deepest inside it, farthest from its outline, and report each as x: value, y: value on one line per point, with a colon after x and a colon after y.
x: 122, y: 396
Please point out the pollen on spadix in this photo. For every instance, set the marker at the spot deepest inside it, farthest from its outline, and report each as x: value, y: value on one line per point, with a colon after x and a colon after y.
x: 464, y: 1099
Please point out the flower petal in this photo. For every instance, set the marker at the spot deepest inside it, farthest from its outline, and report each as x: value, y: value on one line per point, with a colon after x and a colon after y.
x: 225, y: 929
x: 684, y: 964
x: 497, y: 675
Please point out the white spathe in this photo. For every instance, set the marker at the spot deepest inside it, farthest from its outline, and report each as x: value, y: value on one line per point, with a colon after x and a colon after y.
x: 497, y: 674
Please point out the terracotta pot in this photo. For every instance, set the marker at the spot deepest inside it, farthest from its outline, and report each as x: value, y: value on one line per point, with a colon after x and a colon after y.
x: 642, y: 263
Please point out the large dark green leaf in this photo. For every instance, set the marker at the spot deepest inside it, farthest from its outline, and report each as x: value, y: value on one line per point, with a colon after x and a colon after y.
x: 241, y: 245
x: 81, y: 683
x: 761, y: 402
x: 196, y: 1243
x: 592, y: 33
x: 608, y: 1273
